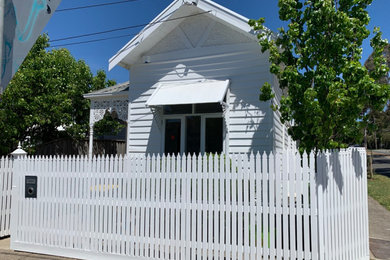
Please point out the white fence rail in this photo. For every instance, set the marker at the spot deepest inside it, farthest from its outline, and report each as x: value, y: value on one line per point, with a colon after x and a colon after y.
x: 6, y: 165
x: 226, y: 207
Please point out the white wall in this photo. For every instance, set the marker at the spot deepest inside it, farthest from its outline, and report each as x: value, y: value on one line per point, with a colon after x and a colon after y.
x: 280, y: 130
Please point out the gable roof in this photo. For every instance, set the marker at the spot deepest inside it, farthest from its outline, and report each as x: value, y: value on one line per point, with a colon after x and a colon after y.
x: 121, y: 89
x: 169, y: 19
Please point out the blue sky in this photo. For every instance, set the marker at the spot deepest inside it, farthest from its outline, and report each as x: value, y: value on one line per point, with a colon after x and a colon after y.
x: 97, y: 54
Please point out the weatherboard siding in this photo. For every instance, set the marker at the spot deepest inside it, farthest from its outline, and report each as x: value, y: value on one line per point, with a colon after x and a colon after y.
x: 282, y: 140
x: 250, y: 121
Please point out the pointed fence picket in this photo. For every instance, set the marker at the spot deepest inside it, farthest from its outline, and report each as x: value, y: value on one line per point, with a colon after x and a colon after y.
x: 263, y: 206
x: 6, y: 166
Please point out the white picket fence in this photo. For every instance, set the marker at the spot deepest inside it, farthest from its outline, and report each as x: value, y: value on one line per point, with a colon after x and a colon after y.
x: 222, y: 207
x: 6, y: 165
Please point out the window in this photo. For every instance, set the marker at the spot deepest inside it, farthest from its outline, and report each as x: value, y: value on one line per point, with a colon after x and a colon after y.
x: 214, y: 135
x: 172, y: 136
x: 208, y: 108
x: 177, y: 109
x: 194, y: 134
x: 192, y: 109
x: 193, y: 128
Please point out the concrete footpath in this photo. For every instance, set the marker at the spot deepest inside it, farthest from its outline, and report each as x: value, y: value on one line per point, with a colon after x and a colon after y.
x: 7, y: 254
x: 379, y: 217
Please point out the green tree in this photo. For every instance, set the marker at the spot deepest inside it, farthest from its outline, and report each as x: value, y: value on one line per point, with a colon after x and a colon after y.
x: 379, y: 125
x: 109, y: 125
x: 379, y: 128
x: 44, y: 94
x: 317, y: 62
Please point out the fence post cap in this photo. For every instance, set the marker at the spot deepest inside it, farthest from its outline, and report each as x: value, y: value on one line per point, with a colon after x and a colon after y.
x: 19, y: 152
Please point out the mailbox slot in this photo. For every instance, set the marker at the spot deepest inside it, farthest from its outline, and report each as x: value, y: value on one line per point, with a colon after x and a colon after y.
x: 31, y: 186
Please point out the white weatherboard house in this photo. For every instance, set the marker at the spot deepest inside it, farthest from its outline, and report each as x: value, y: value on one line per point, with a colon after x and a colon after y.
x: 195, y: 77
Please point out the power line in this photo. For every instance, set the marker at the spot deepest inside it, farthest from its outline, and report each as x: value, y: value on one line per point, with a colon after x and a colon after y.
x: 125, y: 28
x: 150, y: 24
x: 114, y: 37
x: 97, y: 33
x: 90, y: 41
x: 92, y: 6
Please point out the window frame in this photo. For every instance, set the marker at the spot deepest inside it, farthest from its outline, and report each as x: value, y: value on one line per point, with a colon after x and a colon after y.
x: 183, y: 135
x: 225, y: 114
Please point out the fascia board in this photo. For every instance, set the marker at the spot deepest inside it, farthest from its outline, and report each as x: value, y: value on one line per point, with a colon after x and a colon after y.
x: 104, y: 95
x: 145, y: 32
x: 226, y: 15
x: 230, y: 17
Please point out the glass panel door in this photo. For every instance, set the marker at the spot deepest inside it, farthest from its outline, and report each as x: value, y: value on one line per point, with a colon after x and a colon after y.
x: 172, y: 136
x: 214, y: 135
x: 192, y: 135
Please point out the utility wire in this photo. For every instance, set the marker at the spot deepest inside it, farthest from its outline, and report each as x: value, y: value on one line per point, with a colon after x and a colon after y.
x: 125, y: 28
x: 90, y: 41
x: 96, y: 5
x: 97, y: 33
x: 115, y: 37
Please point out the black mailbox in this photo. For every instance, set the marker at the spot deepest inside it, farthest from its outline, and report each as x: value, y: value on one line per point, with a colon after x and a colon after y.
x: 31, y: 187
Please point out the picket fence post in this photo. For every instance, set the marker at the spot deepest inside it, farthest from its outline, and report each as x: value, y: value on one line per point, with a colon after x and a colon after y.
x: 320, y: 176
x: 18, y: 155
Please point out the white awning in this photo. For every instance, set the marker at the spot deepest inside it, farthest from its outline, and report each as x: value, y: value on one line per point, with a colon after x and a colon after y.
x: 211, y: 91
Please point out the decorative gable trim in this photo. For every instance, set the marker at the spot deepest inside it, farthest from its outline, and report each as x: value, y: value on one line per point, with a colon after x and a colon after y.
x: 176, y: 9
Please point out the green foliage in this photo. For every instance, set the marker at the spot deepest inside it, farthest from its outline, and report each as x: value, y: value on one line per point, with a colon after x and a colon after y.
x: 370, y: 64
x: 109, y: 125
x: 316, y: 60
x: 378, y: 132
x: 266, y: 92
x: 44, y: 94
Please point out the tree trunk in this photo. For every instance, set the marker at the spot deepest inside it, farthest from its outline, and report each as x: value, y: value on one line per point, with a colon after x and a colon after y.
x: 365, y: 138
x: 370, y: 169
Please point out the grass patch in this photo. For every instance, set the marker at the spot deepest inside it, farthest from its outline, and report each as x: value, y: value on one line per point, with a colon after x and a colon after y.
x: 379, y: 189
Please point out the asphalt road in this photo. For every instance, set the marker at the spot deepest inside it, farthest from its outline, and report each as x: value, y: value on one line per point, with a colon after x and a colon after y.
x: 381, y: 162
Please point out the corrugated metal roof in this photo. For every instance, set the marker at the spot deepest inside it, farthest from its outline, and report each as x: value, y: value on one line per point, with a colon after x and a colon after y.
x: 119, y: 89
